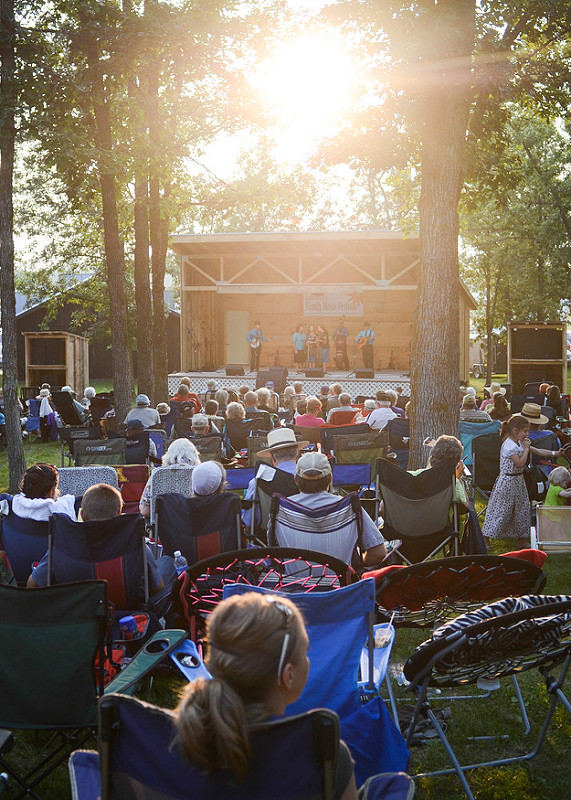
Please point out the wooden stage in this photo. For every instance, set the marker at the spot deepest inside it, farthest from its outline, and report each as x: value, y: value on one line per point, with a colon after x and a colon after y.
x: 354, y: 386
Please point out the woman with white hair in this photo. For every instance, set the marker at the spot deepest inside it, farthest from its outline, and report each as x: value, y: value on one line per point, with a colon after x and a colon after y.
x: 181, y: 453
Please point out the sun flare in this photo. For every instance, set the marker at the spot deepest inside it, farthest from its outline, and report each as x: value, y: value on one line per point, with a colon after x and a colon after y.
x: 308, y: 83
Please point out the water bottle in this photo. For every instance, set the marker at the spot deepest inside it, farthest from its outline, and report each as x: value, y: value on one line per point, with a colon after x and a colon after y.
x: 180, y: 562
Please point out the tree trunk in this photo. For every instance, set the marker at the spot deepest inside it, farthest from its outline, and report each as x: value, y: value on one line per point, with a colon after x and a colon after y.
x: 16, y: 457
x: 141, y: 266
x: 489, y: 326
x: 436, y: 331
x: 114, y: 253
x: 158, y: 252
x: 145, y: 349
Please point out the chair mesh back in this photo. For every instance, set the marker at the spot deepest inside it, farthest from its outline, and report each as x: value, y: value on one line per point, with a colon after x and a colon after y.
x: 76, y: 480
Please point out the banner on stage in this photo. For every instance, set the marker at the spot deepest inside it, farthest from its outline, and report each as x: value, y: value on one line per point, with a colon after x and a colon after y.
x: 333, y: 305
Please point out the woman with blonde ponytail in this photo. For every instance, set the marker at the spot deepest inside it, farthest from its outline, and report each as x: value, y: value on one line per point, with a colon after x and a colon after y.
x: 257, y: 655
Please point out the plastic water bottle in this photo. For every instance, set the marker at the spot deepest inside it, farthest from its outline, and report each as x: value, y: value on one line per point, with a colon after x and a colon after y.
x: 180, y: 562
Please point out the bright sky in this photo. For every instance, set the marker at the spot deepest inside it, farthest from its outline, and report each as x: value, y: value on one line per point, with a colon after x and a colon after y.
x: 307, y: 84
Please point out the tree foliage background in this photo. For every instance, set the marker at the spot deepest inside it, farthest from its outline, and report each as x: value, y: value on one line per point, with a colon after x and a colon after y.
x: 462, y: 127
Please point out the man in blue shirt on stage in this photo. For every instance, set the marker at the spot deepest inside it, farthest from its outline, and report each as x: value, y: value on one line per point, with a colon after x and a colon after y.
x: 255, y: 338
x: 366, y: 339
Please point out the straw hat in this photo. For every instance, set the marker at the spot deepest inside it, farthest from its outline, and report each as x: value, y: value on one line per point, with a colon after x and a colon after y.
x: 280, y: 438
x: 532, y: 413
x: 495, y: 387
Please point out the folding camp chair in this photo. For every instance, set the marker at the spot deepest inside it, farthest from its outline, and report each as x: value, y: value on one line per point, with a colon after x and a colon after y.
x: 136, y: 743
x: 416, y: 509
x: 159, y: 439
x: 70, y: 434
x: 340, y: 624
x: 311, y: 435
x: 76, y: 480
x: 333, y: 528
x: 33, y: 418
x: 25, y: 542
x: 165, y: 480
x: 239, y: 478
x: 269, y: 481
x: 509, y: 637
x: 100, y: 451
x: 327, y: 432
x: 343, y: 417
x: 552, y: 531
x: 485, y: 465
x: 468, y: 431
x: 49, y: 640
x: 64, y: 405
x: 136, y: 446
x: 199, y: 589
x: 398, y: 431
x: 132, y: 479
x: 98, y: 406
x: 238, y: 431
x: 365, y: 448
x: 113, y: 550
x: 254, y: 444
x: 209, y: 447
x: 199, y: 527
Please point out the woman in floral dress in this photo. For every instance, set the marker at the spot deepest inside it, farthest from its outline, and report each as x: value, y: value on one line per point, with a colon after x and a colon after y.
x: 507, y: 515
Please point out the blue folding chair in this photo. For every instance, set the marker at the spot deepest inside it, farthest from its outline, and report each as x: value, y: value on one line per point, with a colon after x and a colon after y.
x: 138, y: 759
x: 33, y: 418
x: 469, y: 430
x: 339, y: 623
x: 25, y: 542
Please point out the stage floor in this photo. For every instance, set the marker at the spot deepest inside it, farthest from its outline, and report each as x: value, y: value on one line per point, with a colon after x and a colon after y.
x: 387, y: 379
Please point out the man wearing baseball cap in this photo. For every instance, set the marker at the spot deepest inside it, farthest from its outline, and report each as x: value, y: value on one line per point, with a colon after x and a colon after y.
x: 143, y: 411
x: 313, y: 477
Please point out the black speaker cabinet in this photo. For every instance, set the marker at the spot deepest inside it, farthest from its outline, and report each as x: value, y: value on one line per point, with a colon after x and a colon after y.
x: 316, y: 372
x: 362, y: 374
x: 234, y: 369
x: 276, y: 374
x: 536, y: 344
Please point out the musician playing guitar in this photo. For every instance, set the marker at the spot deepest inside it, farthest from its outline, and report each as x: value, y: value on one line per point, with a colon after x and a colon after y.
x: 255, y: 338
x: 365, y: 340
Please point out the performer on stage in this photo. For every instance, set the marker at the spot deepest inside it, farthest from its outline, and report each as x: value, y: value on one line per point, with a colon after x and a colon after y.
x: 323, y: 346
x: 365, y: 340
x: 312, y: 348
x: 340, y: 335
x: 299, y: 355
x: 255, y: 338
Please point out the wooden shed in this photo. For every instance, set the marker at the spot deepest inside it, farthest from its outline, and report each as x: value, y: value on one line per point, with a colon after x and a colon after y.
x: 230, y: 280
x: 57, y: 358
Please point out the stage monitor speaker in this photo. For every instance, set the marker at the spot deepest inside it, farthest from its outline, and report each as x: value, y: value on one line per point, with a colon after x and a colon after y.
x: 234, y: 369
x: 278, y: 375
x: 316, y: 372
x: 361, y: 374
